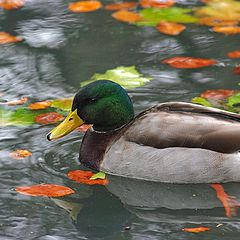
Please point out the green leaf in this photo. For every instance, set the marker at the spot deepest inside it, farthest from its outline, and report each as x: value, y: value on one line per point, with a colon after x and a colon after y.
x: 202, y: 101
x: 152, y: 16
x: 64, y: 104
x: 234, y: 100
x: 127, y: 77
x: 99, y: 175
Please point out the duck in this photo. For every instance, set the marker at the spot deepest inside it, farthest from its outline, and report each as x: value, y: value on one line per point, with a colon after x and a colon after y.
x: 172, y: 142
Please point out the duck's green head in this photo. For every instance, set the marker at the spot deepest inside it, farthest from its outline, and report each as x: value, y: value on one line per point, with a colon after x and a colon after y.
x: 103, y: 103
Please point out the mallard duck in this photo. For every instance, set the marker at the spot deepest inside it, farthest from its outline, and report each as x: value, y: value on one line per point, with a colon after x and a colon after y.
x: 174, y: 142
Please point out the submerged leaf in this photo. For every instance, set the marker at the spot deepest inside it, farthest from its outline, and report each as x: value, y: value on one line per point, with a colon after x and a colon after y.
x: 15, y: 102
x: 156, y: 3
x: 48, y: 118
x: 64, y: 104
x: 234, y: 100
x: 127, y: 77
x: 202, y: 101
x: 196, y: 229
x: 20, y: 154
x: 7, y: 38
x: 11, y: 4
x: 213, y: 22
x: 126, y: 16
x: 39, y: 105
x: 189, y: 62
x: 45, y: 190
x: 170, y: 28
x: 84, y: 6
x: 121, y: 6
x: 84, y: 177
x: 153, y: 16
x: 217, y: 94
x: 236, y: 69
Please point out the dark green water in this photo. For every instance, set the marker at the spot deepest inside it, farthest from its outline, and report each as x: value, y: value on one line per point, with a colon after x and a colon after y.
x: 62, y: 49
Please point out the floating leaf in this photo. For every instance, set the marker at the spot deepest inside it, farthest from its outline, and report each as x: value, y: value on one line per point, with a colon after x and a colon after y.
x: 220, y: 9
x: 228, y: 30
x: 21, y: 116
x: 234, y: 100
x: 234, y: 54
x: 20, y: 154
x: 196, y: 229
x: 45, y: 190
x: 126, y: 16
x: 153, y: 16
x: 217, y: 94
x: 156, y: 3
x: 39, y: 105
x: 213, y: 22
x: 7, y: 38
x: 170, y: 28
x: 84, y: 6
x: 99, y: 175
x: 236, y: 69
x: 11, y: 4
x: 189, y: 62
x: 230, y: 203
x: 121, y: 6
x: 48, y: 118
x: 202, y: 101
x: 127, y: 77
x: 64, y: 104
x: 15, y: 102
x: 84, y: 127
x: 84, y: 177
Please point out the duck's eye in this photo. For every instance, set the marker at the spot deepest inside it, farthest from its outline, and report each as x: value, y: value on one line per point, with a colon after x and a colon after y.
x: 93, y: 100
x: 70, y: 119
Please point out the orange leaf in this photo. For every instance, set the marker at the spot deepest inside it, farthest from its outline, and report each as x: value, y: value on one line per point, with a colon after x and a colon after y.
x: 227, y: 29
x: 15, y: 102
x: 126, y: 16
x: 84, y: 177
x: 170, y: 28
x: 7, y: 38
x: 189, y: 62
x: 20, y: 154
x: 84, y: 127
x: 209, y: 21
x: 217, y: 94
x: 196, y: 230
x: 120, y: 6
x: 234, y: 54
x: 39, y: 105
x: 84, y: 6
x: 156, y: 3
x: 46, y: 190
x: 236, y: 69
x: 230, y: 203
x: 11, y: 4
x: 48, y: 118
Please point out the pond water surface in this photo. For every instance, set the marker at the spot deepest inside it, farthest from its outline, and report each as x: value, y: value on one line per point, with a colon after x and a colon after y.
x: 62, y: 49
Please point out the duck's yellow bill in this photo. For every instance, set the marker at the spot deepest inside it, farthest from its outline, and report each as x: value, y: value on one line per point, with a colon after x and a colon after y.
x: 71, y: 122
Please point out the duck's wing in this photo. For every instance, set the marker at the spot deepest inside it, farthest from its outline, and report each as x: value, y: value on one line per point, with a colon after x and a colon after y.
x: 179, y: 124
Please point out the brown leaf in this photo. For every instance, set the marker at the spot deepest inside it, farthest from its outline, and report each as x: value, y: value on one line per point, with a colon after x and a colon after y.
x: 126, y: 16
x: 84, y: 177
x: 48, y: 118
x: 84, y: 127
x: 39, y: 105
x: 121, y: 6
x: 45, y: 190
x: 170, y: 28
x: 213, y: 22
x: 236, y: 69
x: 217, y: 94
x: 196, y: 229
x: 156, y: 3
x: 234, y: 54
x: 7, y: 38
x: 227, y: 30
x: 84, y: 6
x: 11, y: 4
x: 15, y: 102
x: 189, y: 62
x: 20, y: 154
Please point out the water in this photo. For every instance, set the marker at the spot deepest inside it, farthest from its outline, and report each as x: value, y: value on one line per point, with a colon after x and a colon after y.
x: 61, y: 50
